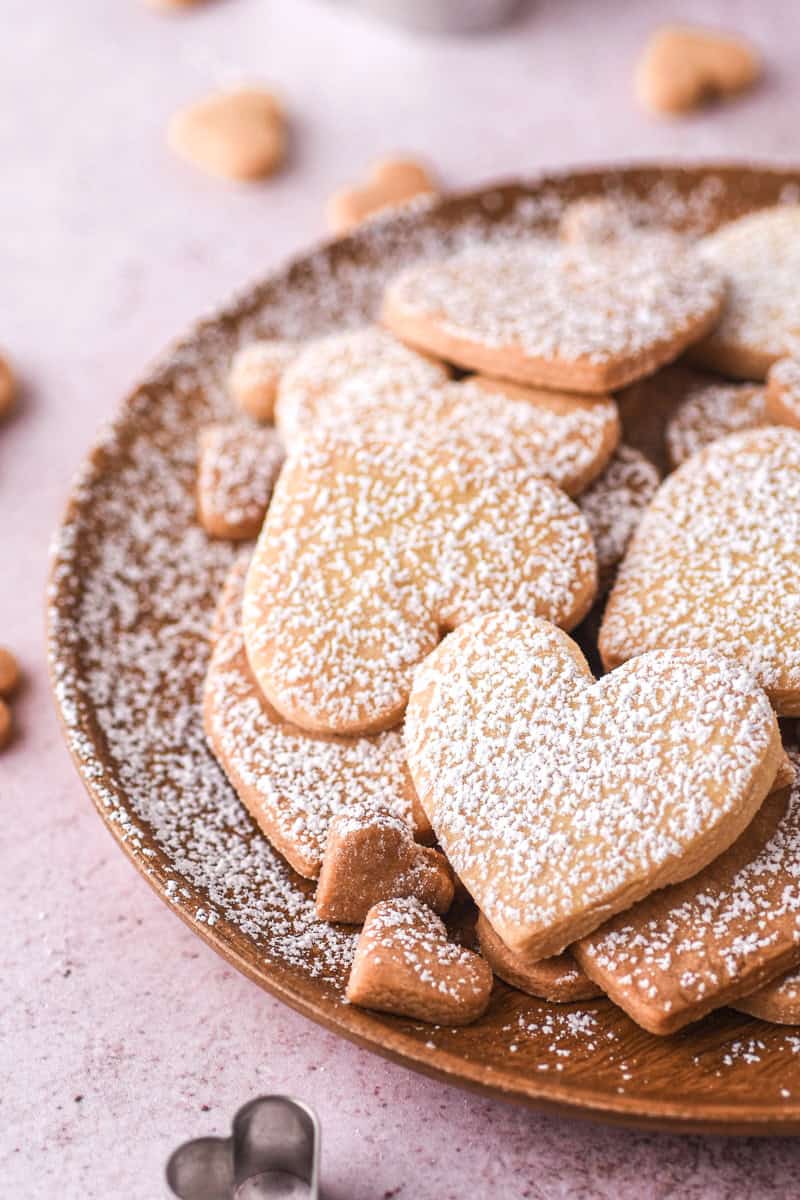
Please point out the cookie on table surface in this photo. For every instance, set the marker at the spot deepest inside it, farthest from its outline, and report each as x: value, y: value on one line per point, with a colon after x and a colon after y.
x: 371, y: 551
x: 783, y: 392
x: 581, y: 318
x: 293, y: 783
x: 406, y: 964
x: 560, y: 800
x: 614, y: 504
x: 255, y: 373
x: 711, y: 410
x: 391, y: 182
x: 236, y: 472
x: 558, y: 979
x: 367, y: 361
x: 683, y: 67
x: 713, y: 563
x: 235, y: 135
x: 701, y: 944
x: 759, y: 256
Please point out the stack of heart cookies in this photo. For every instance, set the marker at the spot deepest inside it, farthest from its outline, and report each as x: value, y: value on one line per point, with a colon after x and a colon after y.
x: 522, y: 616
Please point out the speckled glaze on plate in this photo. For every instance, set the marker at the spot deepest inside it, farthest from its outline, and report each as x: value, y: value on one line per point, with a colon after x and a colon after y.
x: 133, y: 586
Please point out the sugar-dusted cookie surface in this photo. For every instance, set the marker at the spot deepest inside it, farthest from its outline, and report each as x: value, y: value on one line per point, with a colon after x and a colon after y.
x: 613, y: 505
x: 558, y: 979
x: 759, y: 256
x: 567, y: 438
x: 255, y: 373
x: 293, y: 783
x: 713, y: 563
x: 777, y: 1001
x: 583, y: 317
x: 712, y: 410
x: 368, y: 361
x: 370, y: 855
x: 684, y: 66
x: 371, y: 551
x: 405, y: 964
x: 694, y: 947
x: 560, y: 800
x: 783, y: 392
x: 646, y: 408
x: 236, y: 472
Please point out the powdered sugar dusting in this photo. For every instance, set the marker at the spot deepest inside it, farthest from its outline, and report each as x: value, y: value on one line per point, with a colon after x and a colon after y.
x: 614, y: 504
x: 711, y: 411
x: 237, y: 468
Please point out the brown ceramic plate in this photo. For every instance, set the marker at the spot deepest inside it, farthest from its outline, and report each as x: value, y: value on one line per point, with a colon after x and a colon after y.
x: 133, y: 586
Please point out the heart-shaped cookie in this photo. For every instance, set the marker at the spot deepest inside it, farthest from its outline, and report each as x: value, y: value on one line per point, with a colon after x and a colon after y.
x: 581, y: 318
x: 614, y: 504
x: 559, y: 800
x: 783, y: 392
x: 235, y: 135
x: 391, y: 182
x: 558, y: 979
x: 255, y: 373
x: 714, y: 563
x: 710, y: 412
x: 371, y: 551
x: 236, y: 471
x: 405, y: 964
x: 683, y: 66
x: 371, y: 855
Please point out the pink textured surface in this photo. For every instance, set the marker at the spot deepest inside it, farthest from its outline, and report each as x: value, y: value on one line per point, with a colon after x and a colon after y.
x: 120, y: 1033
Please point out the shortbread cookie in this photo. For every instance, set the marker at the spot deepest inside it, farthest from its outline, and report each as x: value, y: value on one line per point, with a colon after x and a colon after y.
x: 783, y: 392
x: 405, y: 964
x: 236, y: 472
x: 566, y: 438
x: 558, y: 979
x: 582, y: 318
x: 596, y: 219
x: 6, y: 724
x: 235, y: 135
x: 390, y: 182
x: 711, y: 411
x: 293, y: 783
x: 699, y: 945
x: 778, y: 1001
x: 370, y: 855
x: 371, y: 551
x: 647, y: 407
x: 255, y: 374
x: 369, y: 361
x: 759, y: 256
x: 713, y: 563
x: 683, y: 67
x: 8, y: 387
x: 560, y: 800
x: 614, y: 505
x: 9, y: 672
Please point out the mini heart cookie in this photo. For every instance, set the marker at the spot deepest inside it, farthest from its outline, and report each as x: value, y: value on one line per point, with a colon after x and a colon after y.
x: 236, y: 472
x: 759, y: 255
x: 783, y: 392
x: 710, y: 411
x: 293, y: 783
x: 701, y: 944
x: 370, y: 855
x: 390, y: 182
x: 558, y: 979
x: 713, y: 563
x: 235, y: 135
x: 255, y: 373
x: 683, y: 67
x: 371, y: 551
x: 405, y: 964
x: 566, y: 438
x: 560, y: 800
x: 614, y: 504
x: 580, y: 318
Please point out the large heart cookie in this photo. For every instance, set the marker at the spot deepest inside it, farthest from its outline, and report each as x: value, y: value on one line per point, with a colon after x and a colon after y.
x: 584, y: 318
x: 371, y: 551
x: 714, y: 563
x: 559, y: 800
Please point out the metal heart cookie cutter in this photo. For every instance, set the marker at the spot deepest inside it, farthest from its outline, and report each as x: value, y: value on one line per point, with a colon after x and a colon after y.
x: 273, y: 1152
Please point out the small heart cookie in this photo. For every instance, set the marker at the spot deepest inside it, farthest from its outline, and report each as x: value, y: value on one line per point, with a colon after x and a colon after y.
x: 711, y: 411
x: 235, y: 135
x: 560, y: 800
x: 783, y: 392
x: 566, y: 438
x: 8, y: 387
x: 255, y: 373
x: 697, y: 946
x: 614, y: 504
x: 370, y: 855
x: 759, y: 255
x: 558, y: 979
x: 683, y: 67
x: 391, y: 182
x: 293, y: 783
x: 777, y: 1002
x: 405, y: 964
x: 9, y: 672
x: 371, y: 551
x: 580, y: 318
x: 366, y: 362
x: 236, y: 472
x: 713, y: 563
